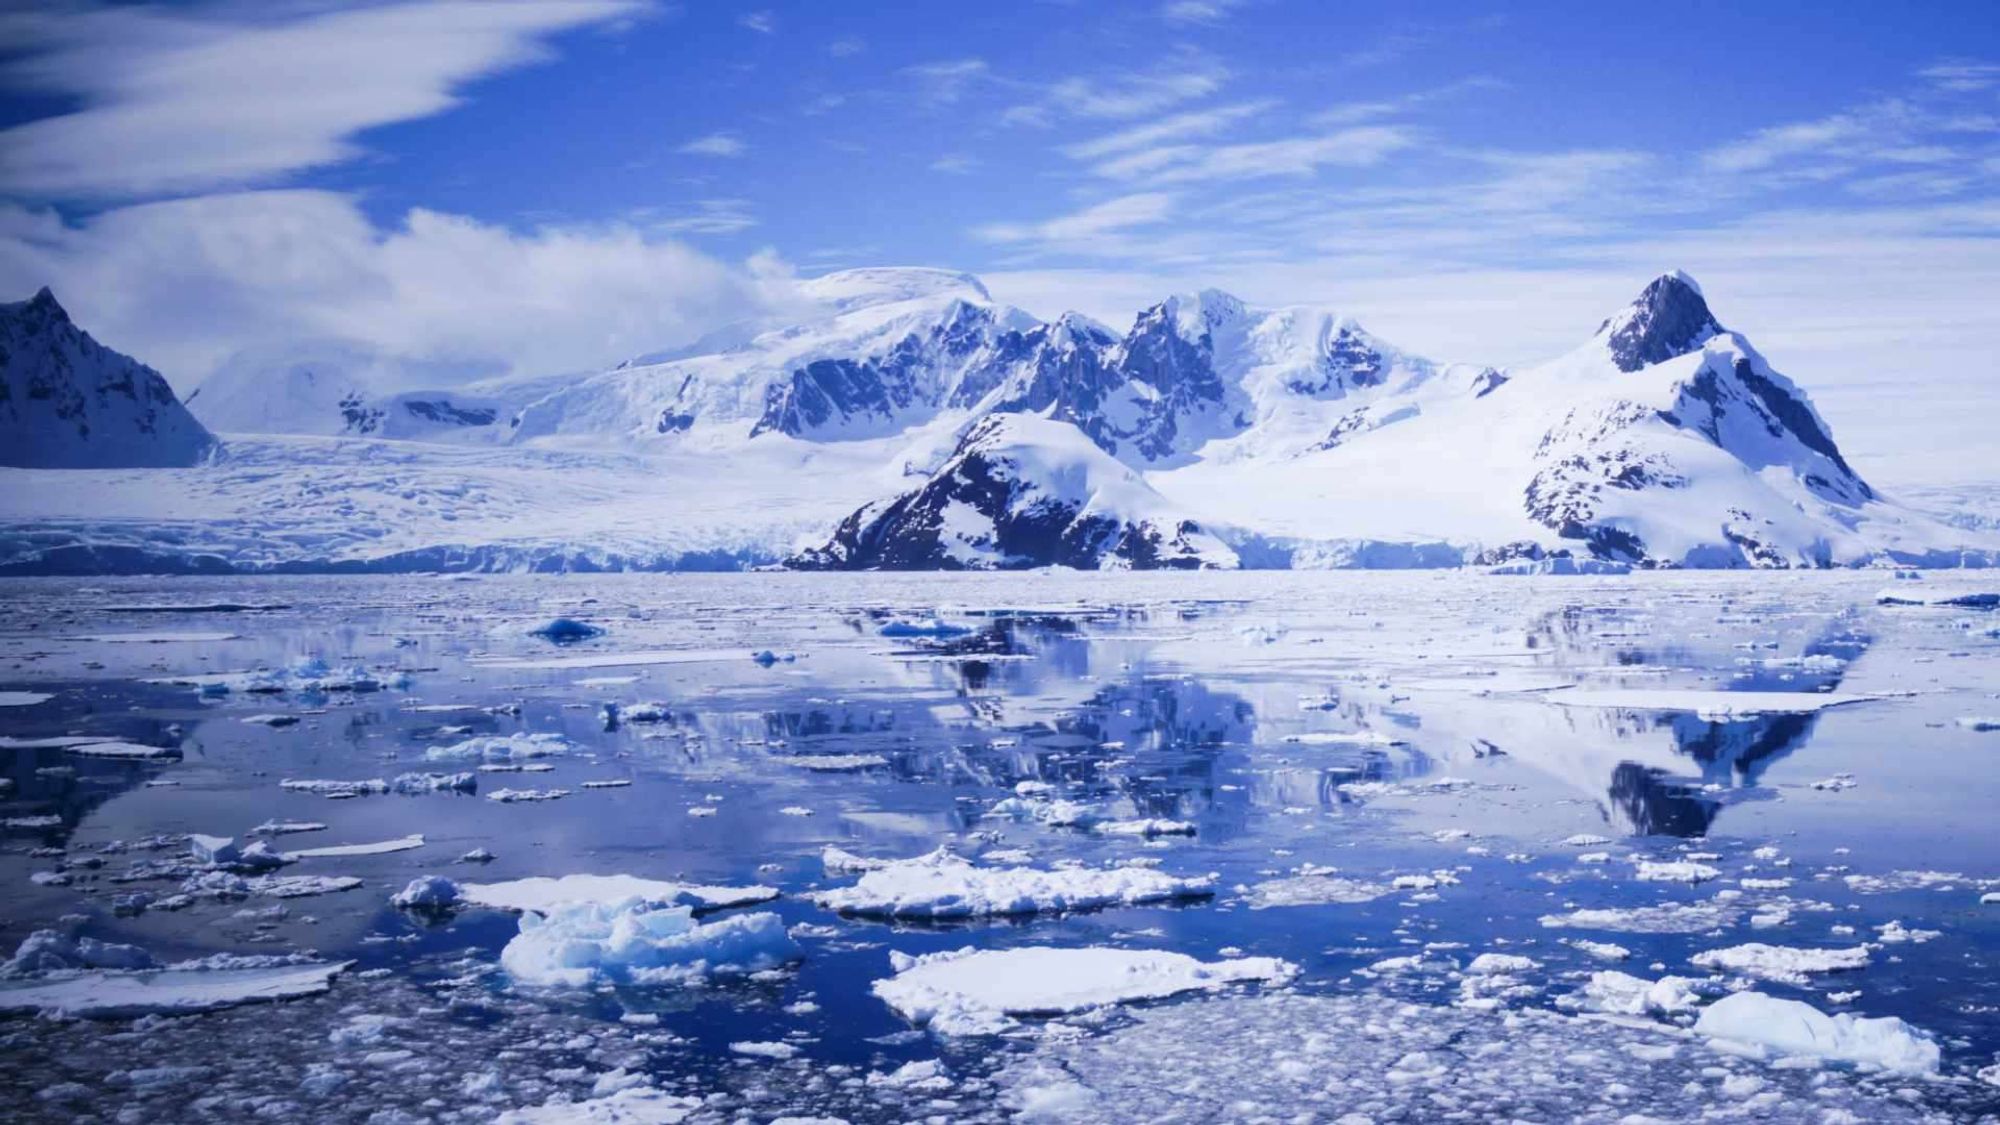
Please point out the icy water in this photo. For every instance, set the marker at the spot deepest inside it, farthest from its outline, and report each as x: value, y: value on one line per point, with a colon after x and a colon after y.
x: 1388, y: 776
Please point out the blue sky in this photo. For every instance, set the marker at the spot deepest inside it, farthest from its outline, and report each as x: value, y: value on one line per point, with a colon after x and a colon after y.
x: 549, y: 185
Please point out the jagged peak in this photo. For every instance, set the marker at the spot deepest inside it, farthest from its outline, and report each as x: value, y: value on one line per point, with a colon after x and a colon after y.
x: 43, y: 304
x: 1198, y: 314
x: 1670, y: 318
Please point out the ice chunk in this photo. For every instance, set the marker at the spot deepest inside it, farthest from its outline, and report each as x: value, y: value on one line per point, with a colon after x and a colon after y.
x: 413, y: 784
x: 173, y: 991
x: 214, y: 849
x: 1673, y: 871
x: 380, y: 847
x: 632, y: 941
x: 1666, y: 918
x: 1782, y: 963
x: 427, y: 892
x: 127, y: 750
x: 566, y: 631
x: 1794, y: 1028
x: 544, y: 894
x: 1981, y: 723
x: 635, y: 1105
x: 513, y: 796
x: 48, y: 951
x: 1314, y: 887
x: 300, y: 886
x: 500, y: 748
x: 974, y: 991
x: 1917, y: 595
x: 24, y: 698
x: 942, y: 885
x: 336, y: 790
x: 1626, y: 995
x: 922, y: 627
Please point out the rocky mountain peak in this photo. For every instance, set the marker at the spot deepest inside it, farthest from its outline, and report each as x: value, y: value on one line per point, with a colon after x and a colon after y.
x: 1670, y: 318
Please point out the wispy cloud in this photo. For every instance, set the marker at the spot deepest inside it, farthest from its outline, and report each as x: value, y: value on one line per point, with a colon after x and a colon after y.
x: 187, y: 99
x: 1184, y: 76
x: 1198, y: 11
x: 955, y: 164
x: 847, y: 46
x: 1303, y: 155
x: 1963, y: 76
x: 946, y: 80
x: 762, y: 22
x: 709, y: 216
x: 1195, y: 123
x: 1111, y: 216
x: 715, y: 144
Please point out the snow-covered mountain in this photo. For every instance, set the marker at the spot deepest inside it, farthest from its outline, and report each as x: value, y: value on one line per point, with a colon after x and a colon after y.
x: 67, y: 401
x: 904, y: 418
x: 1022, y: 491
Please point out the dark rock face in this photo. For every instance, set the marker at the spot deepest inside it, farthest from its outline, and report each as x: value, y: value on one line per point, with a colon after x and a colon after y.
x: 1018, y: 525
x: 1669, y: 319
x: 1348, y: 362
x: 829, y: 393
x: 67, y: 401
x: 443, y: 412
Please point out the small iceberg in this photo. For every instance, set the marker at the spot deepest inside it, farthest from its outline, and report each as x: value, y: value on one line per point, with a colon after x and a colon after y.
x: 1791, y: 1028
x: 977, y: 991
x: 634, y: 942
x: 941, y: 885
x: 544, y: 894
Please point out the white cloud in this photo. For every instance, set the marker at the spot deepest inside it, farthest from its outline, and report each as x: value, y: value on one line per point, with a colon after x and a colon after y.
x: 1198, y: 11
x: 715, y: 144
x: 1183, y: 76
x: 709, y: 216
x: 1963, y: 76
x: 1290, y: 156
x: 183, y: 284
x: 955, y: 164
x: 947, y: 80
x: 763, y: 23
x: 1111, y: 216
x: 176, y: 100
x: 846, y: 46
x: 1194, y: 123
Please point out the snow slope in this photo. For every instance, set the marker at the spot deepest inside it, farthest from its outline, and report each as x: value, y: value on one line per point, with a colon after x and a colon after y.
x: 901, y: 418
x: 69, y: 402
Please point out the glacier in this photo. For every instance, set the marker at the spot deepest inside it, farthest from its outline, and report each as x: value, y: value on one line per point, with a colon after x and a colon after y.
x: 904, y: 419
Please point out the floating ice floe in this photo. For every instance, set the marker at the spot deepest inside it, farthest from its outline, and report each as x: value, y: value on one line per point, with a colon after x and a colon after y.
x: 1980, y: 723
x: 1791, y: 1028
x: 309, y: 675
x: 299, y: 886
x: 1666, y: 918
x: 636, y: 1105
x: 634, y: 942
x: 154, y: 638
x: 380, y: 847
x: 1718, y: 704
x: 286, y: 827
x: 976, y: 992
x: 922, y: 627
x: 618, y: 659
x: 273, y: 720
x: 129, y: 751
x: 416, y: 783
x: 1622, y: 994
x: 1673, y: 871
x: 516, y: 796
x: 1314, y: 886
x: 833, y: 763
x: 409, y: 783
x: 1561, y: 566
x: 57, y: 975
x: 500, y: 748
x: 117, y: 995
x: 543, y: 893
x: 427, y: 892
x: 1148, y: 827
x: 942, y: 885
x: 1363, y: 738
x: 24, y: 698
x: 1782, y: 963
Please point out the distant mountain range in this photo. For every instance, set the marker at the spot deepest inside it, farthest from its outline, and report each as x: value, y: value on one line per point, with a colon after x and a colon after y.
x: 906, y: 420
